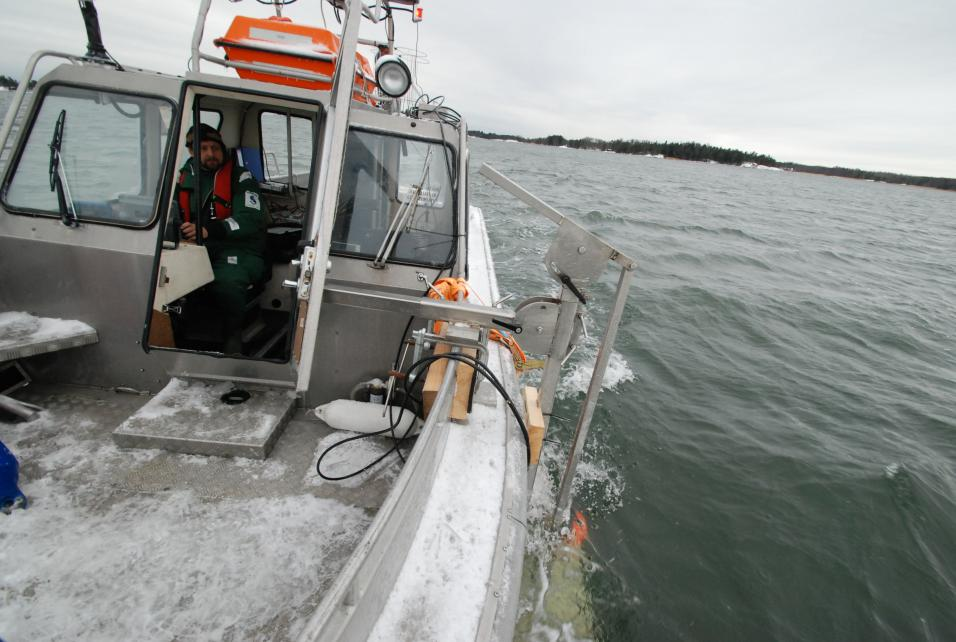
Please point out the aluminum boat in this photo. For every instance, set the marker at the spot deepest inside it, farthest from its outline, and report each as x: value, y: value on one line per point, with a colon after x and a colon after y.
x: 356, y: 462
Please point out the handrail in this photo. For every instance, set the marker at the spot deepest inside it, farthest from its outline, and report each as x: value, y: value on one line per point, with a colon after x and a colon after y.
x: 421, y: 307
x: 25, y: 79
x: 267, y: 68
x: 197, y: 34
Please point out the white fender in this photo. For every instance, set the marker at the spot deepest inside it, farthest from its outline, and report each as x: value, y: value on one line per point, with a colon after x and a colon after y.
x: 362, y: 416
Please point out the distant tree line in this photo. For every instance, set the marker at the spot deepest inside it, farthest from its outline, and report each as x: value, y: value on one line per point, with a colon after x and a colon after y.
x: 12, y: 83
x: 683, y: 151
x: 886, y: 177
x: 701, y: 152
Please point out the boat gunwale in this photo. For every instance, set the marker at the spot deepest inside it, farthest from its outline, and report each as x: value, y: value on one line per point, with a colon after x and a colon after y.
x: 351, y: 605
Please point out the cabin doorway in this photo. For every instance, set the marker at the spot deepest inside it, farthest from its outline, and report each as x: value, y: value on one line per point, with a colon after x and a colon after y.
x: 233, y: 226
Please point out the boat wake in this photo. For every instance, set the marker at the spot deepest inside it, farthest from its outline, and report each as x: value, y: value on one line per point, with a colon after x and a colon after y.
x: 576, y: 380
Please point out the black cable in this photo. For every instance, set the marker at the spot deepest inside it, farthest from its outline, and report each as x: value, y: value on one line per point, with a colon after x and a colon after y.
x: 487, y: 374
x: 479, y: 367
x: 392, y: 420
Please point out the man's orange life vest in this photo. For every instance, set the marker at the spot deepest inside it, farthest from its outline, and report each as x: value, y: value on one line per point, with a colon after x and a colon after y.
x: 221, y: 192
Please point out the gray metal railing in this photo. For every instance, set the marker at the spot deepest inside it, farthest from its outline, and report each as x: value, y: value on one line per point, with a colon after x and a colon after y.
x: 25, y: 79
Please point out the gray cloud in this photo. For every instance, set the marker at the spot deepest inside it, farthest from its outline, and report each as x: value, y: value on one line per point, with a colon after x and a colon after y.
x: 858, y: 83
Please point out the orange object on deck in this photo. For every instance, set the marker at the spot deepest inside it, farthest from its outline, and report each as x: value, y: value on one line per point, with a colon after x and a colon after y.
x: 449, y: 287
x: 278, y: 42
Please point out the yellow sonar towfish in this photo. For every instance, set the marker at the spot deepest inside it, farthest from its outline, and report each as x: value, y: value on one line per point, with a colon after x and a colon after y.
x: 566, y: 605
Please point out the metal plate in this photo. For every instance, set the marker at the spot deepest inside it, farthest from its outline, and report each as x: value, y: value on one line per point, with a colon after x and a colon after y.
x: 577, y: 253
x: 538, y: 317
x: 189, y: 416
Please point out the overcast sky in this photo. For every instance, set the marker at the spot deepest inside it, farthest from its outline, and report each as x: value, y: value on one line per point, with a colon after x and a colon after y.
x: 857, y: 83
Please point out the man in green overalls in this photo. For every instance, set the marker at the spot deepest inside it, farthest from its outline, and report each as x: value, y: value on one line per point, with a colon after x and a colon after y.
x: 233, y: 223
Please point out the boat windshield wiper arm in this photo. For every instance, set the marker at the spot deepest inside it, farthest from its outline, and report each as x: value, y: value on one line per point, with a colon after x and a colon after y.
x: 405, y: 213
x: 58, y: 181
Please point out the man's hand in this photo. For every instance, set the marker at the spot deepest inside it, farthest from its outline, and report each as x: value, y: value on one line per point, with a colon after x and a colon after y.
x: 188, y: 230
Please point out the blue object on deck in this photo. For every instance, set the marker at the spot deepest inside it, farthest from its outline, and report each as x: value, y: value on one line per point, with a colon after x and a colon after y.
x: 10, y: 495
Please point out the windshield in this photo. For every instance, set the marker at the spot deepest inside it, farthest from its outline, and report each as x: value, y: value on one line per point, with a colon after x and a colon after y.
x: 396, y: 201
x: 92, y: 155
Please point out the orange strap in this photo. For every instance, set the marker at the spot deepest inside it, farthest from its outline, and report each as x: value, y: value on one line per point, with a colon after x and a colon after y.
x: 450, y: 288
x: 517, y: 354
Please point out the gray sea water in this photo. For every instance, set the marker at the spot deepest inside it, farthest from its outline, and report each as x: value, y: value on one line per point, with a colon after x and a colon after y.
x: 774, y: 457
x: 778, y: 459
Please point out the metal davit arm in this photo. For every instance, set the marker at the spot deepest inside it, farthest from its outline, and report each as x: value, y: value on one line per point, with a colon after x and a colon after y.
x: 574, y: 253
x: 563, y: 508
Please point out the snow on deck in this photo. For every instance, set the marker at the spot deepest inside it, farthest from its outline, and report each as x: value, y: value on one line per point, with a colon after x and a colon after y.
x: 147, y: 545
x: 23, y: 335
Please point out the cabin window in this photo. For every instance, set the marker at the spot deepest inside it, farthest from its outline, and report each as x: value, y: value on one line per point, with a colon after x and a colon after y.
x: 211, y: 117
x: 109, y: 162
x: 396, y: 188
x: 277, y: 147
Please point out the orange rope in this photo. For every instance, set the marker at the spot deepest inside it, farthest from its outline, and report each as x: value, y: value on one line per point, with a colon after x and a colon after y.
x: 450, y: 288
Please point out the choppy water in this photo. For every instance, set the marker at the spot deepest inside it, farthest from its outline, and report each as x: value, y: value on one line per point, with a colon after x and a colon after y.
x: 776, y: 459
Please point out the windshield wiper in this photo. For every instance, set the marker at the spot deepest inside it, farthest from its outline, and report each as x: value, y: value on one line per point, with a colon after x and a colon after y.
x: 404, y: 214
x: 58, y: 180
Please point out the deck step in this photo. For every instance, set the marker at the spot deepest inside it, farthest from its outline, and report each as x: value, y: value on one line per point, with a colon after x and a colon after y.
x: 189, y: 416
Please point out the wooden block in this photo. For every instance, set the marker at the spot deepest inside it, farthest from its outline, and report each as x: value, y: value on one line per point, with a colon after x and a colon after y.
x: 463, y: 376
x: 436, y: 372
x: 534, y: 421
x: 299, y: 331
x: 161, y: 331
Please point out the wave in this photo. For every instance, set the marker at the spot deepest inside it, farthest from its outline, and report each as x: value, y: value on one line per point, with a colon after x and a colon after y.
x: 576, y: 381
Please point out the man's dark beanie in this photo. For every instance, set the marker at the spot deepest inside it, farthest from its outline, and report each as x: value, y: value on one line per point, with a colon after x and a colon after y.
x: 206, y: 132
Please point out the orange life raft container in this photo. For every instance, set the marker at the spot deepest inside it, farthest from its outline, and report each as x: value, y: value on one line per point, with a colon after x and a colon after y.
x: 287, y: 47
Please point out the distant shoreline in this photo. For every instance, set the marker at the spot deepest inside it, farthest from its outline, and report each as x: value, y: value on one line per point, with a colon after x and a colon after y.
x: 725, y: 156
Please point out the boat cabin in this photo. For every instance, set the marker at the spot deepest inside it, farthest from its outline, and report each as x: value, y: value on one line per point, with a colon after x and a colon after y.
x: 101, y: 219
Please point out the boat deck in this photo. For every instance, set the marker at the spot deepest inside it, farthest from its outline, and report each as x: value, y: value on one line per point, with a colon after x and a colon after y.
x: 121, y: 544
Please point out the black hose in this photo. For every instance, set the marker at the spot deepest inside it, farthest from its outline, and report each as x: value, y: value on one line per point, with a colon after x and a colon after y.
x: 487, y: 374
x: 395, y: 422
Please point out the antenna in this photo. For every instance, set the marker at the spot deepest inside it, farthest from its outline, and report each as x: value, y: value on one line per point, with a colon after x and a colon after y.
x: 95, y: 50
